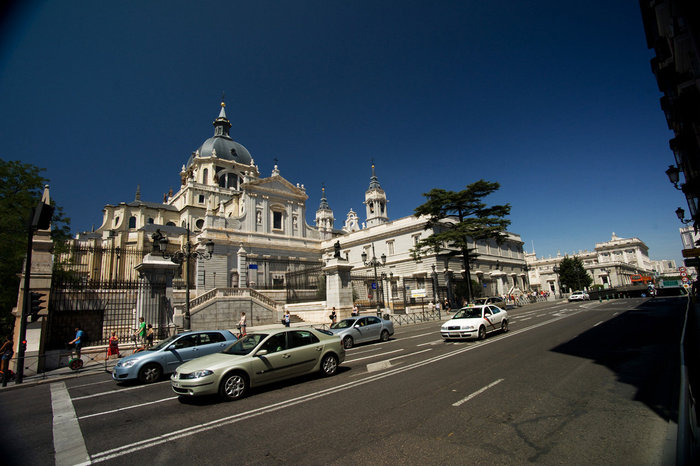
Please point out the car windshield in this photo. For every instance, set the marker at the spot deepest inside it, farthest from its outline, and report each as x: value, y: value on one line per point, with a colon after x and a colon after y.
x: 246, y: 344
x: 468, y: 313
x: 480, y: 301
x: 163, y: 344
x: 345, y: 323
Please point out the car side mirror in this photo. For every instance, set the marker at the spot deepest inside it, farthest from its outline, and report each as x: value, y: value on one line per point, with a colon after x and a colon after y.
x: 262, y: 352
x: 356, y: 325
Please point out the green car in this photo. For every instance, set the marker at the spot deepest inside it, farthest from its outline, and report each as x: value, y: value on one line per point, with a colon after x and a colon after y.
x: 258, y: 359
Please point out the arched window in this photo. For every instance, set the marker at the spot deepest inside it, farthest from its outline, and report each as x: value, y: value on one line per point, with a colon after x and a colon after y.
x: 228, y: 180
x: 205, y: 176
x: 150, y: 220
x: 132, y: 222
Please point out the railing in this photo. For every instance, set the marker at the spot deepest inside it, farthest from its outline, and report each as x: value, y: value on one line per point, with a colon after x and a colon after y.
x: 242, y: 292
x: 415, y: 317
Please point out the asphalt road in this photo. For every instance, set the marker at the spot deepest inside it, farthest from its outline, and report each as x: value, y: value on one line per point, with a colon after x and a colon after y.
x: 575, y: 383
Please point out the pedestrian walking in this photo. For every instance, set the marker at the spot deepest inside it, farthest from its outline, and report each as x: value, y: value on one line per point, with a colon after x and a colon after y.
x: 287, y: 318
x: 140, y: 333
x: 333, y: 316
x: 6, y: 351
x: 149, y: 336
x: 355, y: 310
x: 78, y: 340
x: 113, y: 347
x: 447, y: 305
x: 242, y: 325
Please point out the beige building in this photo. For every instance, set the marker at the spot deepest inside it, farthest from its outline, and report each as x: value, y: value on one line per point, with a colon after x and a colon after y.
x: 611, y: 264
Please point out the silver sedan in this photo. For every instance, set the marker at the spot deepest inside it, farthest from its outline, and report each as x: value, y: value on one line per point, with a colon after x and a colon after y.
x: 361, y: 329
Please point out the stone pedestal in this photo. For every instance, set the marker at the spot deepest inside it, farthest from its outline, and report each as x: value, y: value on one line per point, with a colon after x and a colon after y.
x: 338, y: 284
x: 154, y: 301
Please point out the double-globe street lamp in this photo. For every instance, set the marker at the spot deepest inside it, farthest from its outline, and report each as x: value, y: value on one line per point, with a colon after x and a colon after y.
x: 373, y: 262
x: 160, y: 243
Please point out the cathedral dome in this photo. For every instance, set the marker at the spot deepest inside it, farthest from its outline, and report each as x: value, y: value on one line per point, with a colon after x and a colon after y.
x: 221, y: 145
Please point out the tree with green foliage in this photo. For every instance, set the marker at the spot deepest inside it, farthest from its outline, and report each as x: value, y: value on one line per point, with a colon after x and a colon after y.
x: 455, y: 218
x: 21, y: 188
x: 573, y: 275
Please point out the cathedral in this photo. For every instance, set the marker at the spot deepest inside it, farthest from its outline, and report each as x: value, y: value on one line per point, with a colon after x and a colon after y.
x: 259, y: 229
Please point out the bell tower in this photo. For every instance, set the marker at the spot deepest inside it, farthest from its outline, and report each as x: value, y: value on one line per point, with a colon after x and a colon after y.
x: 375, y: 202
x: 324, y: 216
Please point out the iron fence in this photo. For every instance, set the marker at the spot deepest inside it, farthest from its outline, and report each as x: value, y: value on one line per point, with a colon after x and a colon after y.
x: 305, y: 285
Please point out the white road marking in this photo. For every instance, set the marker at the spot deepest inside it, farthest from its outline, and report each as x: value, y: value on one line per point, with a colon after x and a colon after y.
x: 597, y: 324
x: 524, y: 318
x: 432, y: 343
x: 417, y: 336
x: 127, y: 407
x: 68, y: 442
x: 478, y: 392
x: 115, y: 392
x: 373, y: 356
x: 93, y: 383
x: 376, y: 348
x: 137, y: 446
x: 386, y: 364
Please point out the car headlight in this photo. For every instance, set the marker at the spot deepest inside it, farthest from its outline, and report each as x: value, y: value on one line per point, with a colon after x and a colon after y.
x: 467, y: 327
x: 196, y: 374
x: 127, y: 363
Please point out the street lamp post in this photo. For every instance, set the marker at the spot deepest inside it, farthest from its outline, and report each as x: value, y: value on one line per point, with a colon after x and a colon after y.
x: 373, y: 262
x: 555, y: 269
x: 160, y: 243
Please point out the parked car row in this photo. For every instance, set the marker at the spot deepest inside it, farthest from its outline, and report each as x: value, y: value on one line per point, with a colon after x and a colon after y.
x: 216, y: 362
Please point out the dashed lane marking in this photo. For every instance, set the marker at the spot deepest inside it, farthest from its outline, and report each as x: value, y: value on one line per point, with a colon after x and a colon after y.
x: 476, y: 393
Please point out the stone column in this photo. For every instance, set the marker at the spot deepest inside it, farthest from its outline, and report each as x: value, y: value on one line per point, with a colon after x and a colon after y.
x: 155, y: 297
x: 338, y: 285
x: 242, y: 267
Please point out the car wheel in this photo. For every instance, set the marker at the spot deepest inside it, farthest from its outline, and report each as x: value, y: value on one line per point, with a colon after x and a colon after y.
x: 234, y: 386
x: 348, y: 342
x: 482, y: 332
x: 150, y: 373
x: 329, y: 365
x: 504, y: 326
x: 384, y: 336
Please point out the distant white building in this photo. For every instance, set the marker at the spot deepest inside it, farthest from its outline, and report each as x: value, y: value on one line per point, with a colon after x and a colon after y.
x: 612, y: 263
x: 665, y: 268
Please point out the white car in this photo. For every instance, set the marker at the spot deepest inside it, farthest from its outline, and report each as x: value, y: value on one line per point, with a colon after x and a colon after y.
x: 579, y: 296
x: 475, y: 322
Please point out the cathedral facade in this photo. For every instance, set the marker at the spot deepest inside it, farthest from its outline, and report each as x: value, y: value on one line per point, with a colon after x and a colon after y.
x: 259, y: 229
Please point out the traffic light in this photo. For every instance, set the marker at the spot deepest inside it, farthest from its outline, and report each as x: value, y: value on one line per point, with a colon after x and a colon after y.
x: 35, y: 305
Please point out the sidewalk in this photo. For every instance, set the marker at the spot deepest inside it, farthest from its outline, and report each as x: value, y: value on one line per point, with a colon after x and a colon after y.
x: 92, y: 366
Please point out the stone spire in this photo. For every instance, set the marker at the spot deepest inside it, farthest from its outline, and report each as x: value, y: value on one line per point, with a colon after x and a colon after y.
x: 221, y: 124
x: 375, y: 202
x: 324, y: 216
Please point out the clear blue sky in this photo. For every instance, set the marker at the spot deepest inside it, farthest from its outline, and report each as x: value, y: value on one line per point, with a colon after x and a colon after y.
x: 554, y: 100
